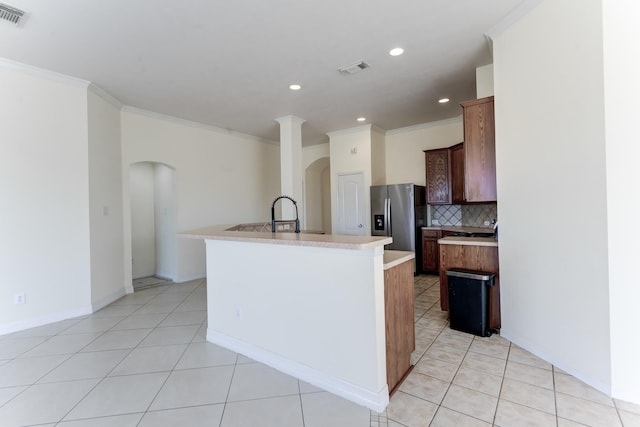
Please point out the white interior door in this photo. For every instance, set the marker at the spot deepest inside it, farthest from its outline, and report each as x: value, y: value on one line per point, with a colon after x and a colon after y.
x: 351, y: 206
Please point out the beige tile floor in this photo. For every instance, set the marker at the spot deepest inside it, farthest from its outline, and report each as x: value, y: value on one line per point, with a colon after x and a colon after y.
x: 143, y: 361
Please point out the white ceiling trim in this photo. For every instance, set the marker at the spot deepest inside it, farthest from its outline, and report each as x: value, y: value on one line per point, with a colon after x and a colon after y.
x: 41, y: 72
x: 350, y: 130
x: 197, y: 125
x: 106, y: 96
x: 514, y: 16
x: 414, y: 128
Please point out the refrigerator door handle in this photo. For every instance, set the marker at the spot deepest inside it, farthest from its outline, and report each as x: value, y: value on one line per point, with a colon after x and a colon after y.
x: 387, y: 215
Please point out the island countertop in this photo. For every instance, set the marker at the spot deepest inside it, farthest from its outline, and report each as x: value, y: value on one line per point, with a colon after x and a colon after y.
x: 393, y: 258
x: 335, y: 241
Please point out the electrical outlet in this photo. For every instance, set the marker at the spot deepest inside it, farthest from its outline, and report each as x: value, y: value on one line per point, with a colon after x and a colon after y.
x: 19, y: 298
x: 287, y: 227
x: 487, y: 223
x: 280, y: 228
x: 435, y: 222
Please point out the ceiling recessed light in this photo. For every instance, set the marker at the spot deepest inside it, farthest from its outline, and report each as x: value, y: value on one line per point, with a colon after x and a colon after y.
x: 396, y: 51
x: 361, y: 119
x: 443, y: 100
x: 295, y: 87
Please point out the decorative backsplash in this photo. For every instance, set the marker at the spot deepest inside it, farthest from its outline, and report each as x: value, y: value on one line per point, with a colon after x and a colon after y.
x: 464, y: 215
x: 447, y: 214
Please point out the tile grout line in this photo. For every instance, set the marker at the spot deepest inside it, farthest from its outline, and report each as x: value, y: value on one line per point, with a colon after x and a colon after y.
x: 226, y: 399
x: 302, y: 406
x: 555, y: 395
x: 101, y: 380
x: 504, y: 371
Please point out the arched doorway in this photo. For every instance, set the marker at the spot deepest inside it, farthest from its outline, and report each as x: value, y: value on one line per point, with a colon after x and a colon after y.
x: 153, y: 224
x: 317, y: 190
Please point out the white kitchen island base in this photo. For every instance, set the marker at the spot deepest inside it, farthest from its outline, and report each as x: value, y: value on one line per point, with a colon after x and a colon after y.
x: 311, y: 306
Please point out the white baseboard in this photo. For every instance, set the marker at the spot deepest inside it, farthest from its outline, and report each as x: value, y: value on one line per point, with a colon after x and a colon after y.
x: 44, y: 320
x: 376, y: 401
x: 105, y: 301
x: 190, y: 278
x: 63, y: 315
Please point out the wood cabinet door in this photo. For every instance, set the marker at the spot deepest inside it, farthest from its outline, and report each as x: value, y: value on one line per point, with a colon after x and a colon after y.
x: 430, y: 257
x: 457, y: 173
x: 479, y: 150
x: 438, y: 168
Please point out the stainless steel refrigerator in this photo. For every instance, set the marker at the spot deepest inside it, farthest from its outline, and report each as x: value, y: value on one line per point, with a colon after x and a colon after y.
x: 399, y: 211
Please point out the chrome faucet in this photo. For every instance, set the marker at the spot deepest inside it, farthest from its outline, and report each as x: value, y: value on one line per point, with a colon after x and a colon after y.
x: 273, y: 214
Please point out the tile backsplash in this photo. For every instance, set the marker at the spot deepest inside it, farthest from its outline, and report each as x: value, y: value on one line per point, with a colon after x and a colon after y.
x: 464, y: 215
x: 447, y: 214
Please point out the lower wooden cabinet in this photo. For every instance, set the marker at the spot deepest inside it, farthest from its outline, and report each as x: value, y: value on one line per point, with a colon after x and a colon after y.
x: 399, y: 321
x: 469, y: 257
x: 430, y: 258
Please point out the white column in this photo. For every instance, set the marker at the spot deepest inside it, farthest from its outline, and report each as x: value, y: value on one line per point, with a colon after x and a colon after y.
x: 291, y: 164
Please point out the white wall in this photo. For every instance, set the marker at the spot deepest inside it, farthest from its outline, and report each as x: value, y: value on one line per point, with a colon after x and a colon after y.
x: 315, y: 163
x: 221, y: 177
x: 550, y: 150
x: 378, y: 157
x: 143, y: 228
x: 484, y: 81
x: 622, y: 89
x: 326, y: 199
x: 105, y: 201
x: 44, y: 249
x: 314, y: 212
x: 344, y: 161
x: 165, y: 209
x: 405, y: 146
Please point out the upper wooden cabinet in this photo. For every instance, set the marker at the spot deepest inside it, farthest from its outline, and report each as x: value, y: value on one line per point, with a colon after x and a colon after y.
x: 479, y: 150
x: 456, y: 155
x: 438, y: 168
x: 466, y: 172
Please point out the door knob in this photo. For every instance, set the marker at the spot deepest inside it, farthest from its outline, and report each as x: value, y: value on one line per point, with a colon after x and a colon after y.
x: 360, y: 225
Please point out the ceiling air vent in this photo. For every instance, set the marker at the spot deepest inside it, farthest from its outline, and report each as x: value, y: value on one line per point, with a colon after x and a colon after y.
x: 11, y: 14
x: 354, y: 68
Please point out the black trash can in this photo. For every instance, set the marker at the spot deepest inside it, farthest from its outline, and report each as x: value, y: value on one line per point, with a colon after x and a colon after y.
x: 469, y: 301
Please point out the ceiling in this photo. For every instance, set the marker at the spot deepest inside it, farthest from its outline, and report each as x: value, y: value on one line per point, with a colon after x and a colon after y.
x: 230, y: 63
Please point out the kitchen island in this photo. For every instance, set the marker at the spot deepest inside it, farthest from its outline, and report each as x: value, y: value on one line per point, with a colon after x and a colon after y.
x: 310, y: 305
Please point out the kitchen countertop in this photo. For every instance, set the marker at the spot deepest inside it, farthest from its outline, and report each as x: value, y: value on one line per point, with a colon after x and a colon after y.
x: 334, y: 241
x: 393, y: 258
x: 468, y: 241
x: 460, y: 229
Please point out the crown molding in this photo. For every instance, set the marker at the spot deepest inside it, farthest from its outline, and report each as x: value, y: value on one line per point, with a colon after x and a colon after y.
x: 414, y: 128
x: 511, y: 18
x: 197, y: 125
x: 105, y: 95
x: 368, y: 127
x: 43, y: 73
x: 291, y: 118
